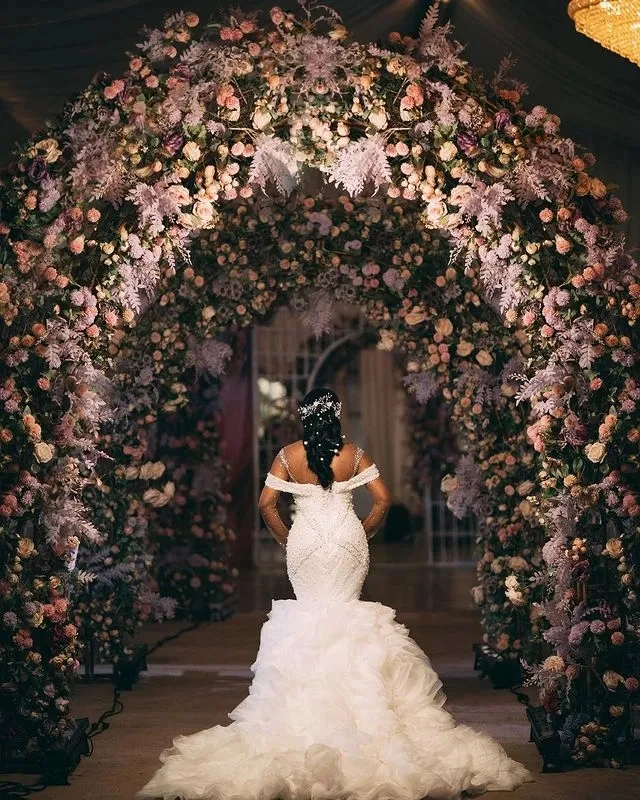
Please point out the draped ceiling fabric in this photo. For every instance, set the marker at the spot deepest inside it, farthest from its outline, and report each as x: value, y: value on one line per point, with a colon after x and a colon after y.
x: 50, y: 49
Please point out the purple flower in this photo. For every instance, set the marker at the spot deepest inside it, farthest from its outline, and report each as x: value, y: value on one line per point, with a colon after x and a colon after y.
x: 37, y: 170
x: 467, y: 142
x: 598, y: 626
x: 173, y: 142
x: 10, y: 619
x: 502, y: 119
x: 580, y: 571
x: 182, y: 71
x: 576, y: 435
x: 577, y: 632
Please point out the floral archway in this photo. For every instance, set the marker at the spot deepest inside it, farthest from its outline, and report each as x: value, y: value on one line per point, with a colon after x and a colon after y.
x: 134, y: 240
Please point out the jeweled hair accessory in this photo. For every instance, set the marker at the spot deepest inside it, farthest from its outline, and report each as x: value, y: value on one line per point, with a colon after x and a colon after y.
x: 319, y: 406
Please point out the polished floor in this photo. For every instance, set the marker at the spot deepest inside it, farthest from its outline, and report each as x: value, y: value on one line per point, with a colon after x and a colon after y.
x: 195, y: 680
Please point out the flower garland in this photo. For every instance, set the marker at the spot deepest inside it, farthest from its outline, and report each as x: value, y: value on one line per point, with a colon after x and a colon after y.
x: 99, y: 217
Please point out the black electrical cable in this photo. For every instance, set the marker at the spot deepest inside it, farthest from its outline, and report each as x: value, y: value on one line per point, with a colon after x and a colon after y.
x: 12, y: 790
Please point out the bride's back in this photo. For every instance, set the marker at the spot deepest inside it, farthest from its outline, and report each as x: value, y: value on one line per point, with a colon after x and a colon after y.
x: 344, y: 464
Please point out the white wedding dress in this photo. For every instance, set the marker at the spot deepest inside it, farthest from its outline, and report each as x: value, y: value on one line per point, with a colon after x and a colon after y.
x: 343, y: 702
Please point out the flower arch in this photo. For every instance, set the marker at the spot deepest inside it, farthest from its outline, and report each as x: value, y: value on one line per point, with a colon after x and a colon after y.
x: 134, y: 241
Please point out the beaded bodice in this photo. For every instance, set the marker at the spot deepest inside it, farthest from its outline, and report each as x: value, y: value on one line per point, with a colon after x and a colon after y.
x: 327, y: 548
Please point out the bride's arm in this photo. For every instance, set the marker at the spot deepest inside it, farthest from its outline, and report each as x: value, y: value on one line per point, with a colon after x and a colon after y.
x: 268, y: 505
x: 381, y: 501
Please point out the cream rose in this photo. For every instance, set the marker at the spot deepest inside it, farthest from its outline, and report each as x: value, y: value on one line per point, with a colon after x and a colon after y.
x: 157, y: 498
x: 203, y: 209
x: 43, y: 452
x: 464, y: 348
x: 192, y: 151
x: 179, y: 194
x: 611, y: 679
x: 444, y: 327
x: 436, y: 209
x: 49, y: 150
x: 553, y: 664
x: 448, y: 151
x: 131, y: 473
x: 208, y: 313
x: 378, y: 118
x: 484, y: 358
x: 595, y: 452
x: 152, y: 470
x: 613, y: 547
x: 416, y: 316
x: 387, y: 341
x: 261, y: 118
x: 449, y: 484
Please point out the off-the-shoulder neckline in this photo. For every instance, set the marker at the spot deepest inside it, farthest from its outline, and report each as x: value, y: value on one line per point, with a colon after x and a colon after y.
x: 318, y: 486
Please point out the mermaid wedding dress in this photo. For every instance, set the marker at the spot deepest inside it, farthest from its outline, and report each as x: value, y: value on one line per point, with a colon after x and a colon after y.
x: 343, y: 702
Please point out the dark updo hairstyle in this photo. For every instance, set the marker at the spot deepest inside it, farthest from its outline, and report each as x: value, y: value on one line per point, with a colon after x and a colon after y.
x: 321, y: 433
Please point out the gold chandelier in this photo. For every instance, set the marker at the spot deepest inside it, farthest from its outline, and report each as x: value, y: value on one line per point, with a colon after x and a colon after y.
x: 615, y: 24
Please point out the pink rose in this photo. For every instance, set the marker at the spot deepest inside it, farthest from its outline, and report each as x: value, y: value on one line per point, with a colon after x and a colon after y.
x: 77, y: 245
x: 563, y: 245
x: 113, y: 89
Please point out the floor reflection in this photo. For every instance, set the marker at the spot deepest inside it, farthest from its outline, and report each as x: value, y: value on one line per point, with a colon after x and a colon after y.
x: 399, y: 576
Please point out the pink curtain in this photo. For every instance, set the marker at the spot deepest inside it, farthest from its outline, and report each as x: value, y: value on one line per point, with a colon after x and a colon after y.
x: 236, y: 434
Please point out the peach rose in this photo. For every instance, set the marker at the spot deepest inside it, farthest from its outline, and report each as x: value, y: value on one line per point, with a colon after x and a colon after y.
x: 464, y: 348
x: 415, y: 316
x: 25, y: 547
x: 444, y: 327
x: 484, y: 358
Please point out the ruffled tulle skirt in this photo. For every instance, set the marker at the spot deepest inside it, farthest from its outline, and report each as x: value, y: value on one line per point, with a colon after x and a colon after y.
x: 343, y: 704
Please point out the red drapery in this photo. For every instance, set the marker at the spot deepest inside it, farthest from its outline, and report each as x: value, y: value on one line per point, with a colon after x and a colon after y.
x: 236, y: 434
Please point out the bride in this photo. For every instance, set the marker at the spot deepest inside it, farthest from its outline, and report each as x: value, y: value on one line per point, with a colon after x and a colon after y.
x: 343, y: 702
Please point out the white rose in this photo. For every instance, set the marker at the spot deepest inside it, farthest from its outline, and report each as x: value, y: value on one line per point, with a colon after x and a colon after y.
x: 208, y: 313
x: 191, y: 151
x: 448, y: 151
